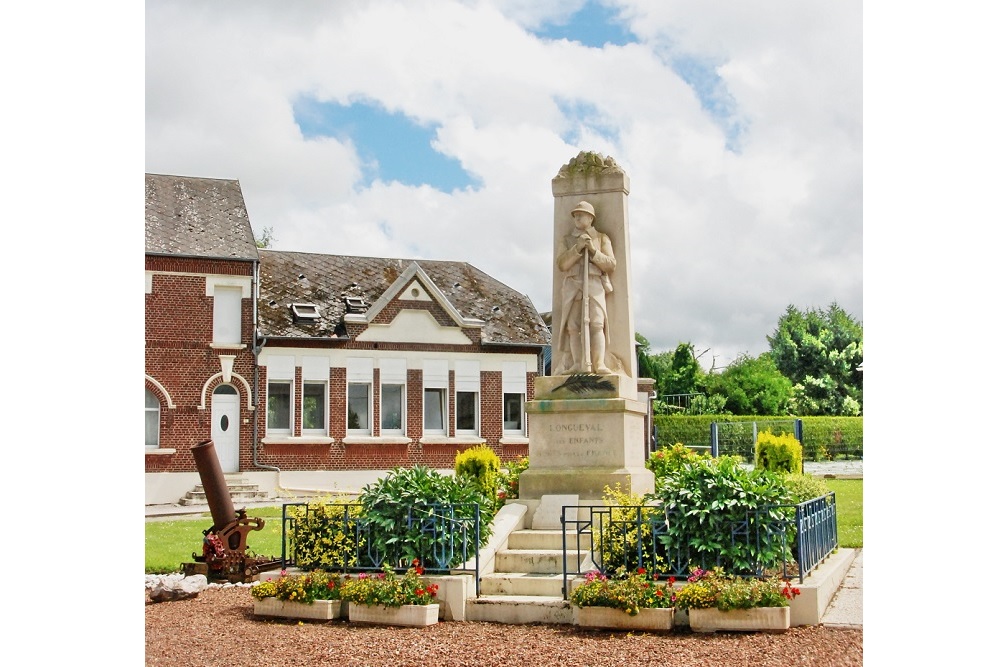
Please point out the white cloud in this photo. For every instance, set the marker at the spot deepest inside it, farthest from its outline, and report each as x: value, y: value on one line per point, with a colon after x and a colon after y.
x: 722, y: 241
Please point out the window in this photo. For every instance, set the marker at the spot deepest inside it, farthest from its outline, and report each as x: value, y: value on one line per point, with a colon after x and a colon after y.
x: 435, y: 410
x: 515, y: 388
x: 392, y: 375
x: 467, y: 397
x: 513, y: 412
x: 152, y: 420
x: 279, y: 406
x: 360, y: 375
x: 227, y: 315
x: 392, y: 408
x: 467, y: 412
x: 314, y: 408
x: 435, y: 397
x: 358, y: 407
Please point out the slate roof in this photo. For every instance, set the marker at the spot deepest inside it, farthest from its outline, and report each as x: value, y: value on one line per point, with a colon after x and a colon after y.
x: 197, y: 217
x: 325, y: 280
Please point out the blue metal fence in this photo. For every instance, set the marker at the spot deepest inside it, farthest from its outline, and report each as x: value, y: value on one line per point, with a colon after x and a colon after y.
x: 337, y: 537
x: 636, y: 536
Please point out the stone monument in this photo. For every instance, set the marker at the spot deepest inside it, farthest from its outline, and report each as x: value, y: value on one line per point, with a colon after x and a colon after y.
x: 586, y: 424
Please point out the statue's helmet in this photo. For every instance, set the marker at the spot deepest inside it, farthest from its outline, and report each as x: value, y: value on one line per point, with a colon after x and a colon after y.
x: 586, y: 207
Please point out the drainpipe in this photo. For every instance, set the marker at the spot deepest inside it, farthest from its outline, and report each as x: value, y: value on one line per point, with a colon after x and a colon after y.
x: 258, y: 345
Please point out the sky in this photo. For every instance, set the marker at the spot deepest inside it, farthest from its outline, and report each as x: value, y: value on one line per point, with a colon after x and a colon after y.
x: 431, y: 129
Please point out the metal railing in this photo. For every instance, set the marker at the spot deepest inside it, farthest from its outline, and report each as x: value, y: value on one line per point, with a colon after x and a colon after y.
x: 339, y: 538
x: 634, y: 536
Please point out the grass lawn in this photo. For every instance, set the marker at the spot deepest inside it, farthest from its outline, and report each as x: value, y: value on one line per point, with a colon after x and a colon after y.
x: 850, y: 515
x: 170, y: 543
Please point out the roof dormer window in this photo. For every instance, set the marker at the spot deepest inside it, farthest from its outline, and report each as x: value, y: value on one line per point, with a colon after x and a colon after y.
x: 305, y: 312
x: 355, y: 304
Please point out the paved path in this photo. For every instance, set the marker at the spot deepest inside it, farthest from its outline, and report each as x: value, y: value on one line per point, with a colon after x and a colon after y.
x: 845, y: 610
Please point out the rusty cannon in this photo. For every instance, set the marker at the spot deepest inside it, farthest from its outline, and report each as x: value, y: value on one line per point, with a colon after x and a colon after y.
x: 224, y: 550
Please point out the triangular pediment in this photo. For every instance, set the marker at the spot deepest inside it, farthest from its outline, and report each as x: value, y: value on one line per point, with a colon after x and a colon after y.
x: 413, y: 284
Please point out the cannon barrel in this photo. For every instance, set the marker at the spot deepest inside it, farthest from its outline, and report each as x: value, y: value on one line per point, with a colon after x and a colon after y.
x: 220, y: 502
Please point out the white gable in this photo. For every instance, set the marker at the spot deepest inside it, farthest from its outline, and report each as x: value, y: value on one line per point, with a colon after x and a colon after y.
x: 414, y: 326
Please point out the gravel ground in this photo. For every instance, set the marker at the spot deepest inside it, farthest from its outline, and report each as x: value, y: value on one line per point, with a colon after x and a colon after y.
x: 218, y: 628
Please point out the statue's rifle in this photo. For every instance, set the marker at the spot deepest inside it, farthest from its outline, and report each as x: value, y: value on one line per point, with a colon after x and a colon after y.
x: 587, y: 364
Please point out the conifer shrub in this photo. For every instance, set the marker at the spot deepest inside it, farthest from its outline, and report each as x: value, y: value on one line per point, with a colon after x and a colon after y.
x: 481, y: 466
x: 778, y: 453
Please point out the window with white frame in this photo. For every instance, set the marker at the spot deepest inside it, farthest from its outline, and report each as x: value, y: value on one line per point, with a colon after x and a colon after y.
x: 152, y: 420
x: 315, y: 376
x: 467, y: 398
x: 279, y: 407
x: 360, y: 372
x: 435, y: 397
x: 515, y: 387
x: 227, y: 315
x: 392, y: 394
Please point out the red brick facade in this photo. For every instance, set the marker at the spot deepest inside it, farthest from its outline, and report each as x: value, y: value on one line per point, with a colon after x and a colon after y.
x: 185, y: 370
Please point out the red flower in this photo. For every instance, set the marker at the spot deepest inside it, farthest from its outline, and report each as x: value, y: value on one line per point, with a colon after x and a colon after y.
x: 671, y: 581
x: 659, y: 592
x: 641, y: 570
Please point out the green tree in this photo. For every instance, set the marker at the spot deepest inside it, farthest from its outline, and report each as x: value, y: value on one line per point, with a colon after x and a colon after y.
x: 685, y: 372
x: 266, y: 238
x: 820, y: 351
x: 752, y: 386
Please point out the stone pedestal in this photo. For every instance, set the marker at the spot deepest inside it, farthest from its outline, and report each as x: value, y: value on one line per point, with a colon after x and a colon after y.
x: 584, y: 442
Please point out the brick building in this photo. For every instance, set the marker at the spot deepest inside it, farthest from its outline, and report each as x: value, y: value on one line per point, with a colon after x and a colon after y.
x: 298, y: 365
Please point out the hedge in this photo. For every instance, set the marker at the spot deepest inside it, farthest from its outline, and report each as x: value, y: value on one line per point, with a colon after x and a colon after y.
x: 823, y: 437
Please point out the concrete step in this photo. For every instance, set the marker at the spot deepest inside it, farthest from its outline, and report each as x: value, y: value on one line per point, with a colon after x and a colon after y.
x: 538, y: 561
x: 519, y: 609
x: 546, y: 539
x: 521, y: 584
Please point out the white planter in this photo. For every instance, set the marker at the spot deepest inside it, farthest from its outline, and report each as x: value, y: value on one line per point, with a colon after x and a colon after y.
x: 409, y: 615
x: 323, y: 610
x: 607, y: 617
x: 766, y: 619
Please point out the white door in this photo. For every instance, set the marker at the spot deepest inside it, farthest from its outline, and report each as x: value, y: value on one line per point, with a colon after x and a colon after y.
x: 226, y: 427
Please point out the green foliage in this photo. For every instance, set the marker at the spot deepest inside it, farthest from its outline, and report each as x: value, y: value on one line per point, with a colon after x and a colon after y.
x: 322, y: 534
x: 629, y: 592
x: 708, y: 498
x: 820, y: 352
x: 751, y: 386
x: 304, y: 588
x: 664, y: 461
x: 804, y: 487
x: 480, y: 466
x: 387, y: 589
x: 266, y: 238
x: 510, y: 478
x: 715, y: 588
x: 620, y: 536
x: 702, y: 404
x: 839, y: 437
x: 387, y: 502
x: 685, y: 372
x: 778, y: 453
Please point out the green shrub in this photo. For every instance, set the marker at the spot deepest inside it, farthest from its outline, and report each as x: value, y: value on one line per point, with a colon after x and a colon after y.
x: 804, y: 487
x: 481, y: 466
x: 665, y: 461
x: 387, y: 502
x: 322, y: 535
x: 510, y: 478
x: 708, y: 498
x: 778, y: 453
x: 618, y: 537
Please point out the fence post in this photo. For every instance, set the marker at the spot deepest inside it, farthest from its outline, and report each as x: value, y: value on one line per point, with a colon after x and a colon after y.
x: 714, y: 431
x: 797, y: 427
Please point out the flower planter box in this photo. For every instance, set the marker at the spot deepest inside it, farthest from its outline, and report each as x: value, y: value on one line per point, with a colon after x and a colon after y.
x: 322, y: 610
x: 607, y: 617
x: 766, y: 619
x: 409, y: 615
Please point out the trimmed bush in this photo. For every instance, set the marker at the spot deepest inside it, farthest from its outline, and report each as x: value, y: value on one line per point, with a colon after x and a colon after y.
x: 778, y: 453
x: 481, y: 466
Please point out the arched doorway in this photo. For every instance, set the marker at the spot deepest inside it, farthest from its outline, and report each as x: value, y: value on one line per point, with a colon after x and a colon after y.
x: 226, y: 427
